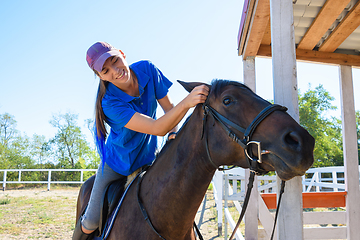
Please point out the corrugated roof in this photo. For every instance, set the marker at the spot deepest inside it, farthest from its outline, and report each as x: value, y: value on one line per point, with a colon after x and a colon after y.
x: 326, y: 31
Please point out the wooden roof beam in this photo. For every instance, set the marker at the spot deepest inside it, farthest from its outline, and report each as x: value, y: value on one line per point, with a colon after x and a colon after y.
x: 325, y: 18
x: 244, y: 25
x: 266, y: 40
x: 318, y: 57
x: 259, y: 22
x: 343, y: 30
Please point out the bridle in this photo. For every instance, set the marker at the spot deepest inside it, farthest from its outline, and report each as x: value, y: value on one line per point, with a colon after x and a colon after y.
x: 246, y: 143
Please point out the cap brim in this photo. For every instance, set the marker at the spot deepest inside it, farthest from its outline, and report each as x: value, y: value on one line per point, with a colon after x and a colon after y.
x: 98, y: 65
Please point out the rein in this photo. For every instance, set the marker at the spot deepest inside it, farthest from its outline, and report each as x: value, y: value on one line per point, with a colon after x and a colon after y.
x: 146, y: 216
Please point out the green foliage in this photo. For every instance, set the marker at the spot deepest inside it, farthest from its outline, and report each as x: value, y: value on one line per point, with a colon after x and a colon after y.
x: 13, y: 147
x: 7, y: 128
x: 5, y: 201
x: 65, y: 176
x: 67, y: 149
x: 94, y: 159
x: 314, y: 105
x: 69, y: 143
x: 39, y: 149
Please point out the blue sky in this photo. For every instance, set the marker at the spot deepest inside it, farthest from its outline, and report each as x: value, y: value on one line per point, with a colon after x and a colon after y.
x: 43, y: 67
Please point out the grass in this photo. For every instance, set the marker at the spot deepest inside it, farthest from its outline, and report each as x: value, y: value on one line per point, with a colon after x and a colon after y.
x: 38, y: 215
x: 10, y: 228
x: 5, y: 201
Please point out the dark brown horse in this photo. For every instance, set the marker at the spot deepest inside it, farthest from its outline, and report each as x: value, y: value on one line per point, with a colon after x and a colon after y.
x: 173, y: 188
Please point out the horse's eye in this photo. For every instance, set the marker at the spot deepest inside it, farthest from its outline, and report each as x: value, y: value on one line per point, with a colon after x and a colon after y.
x: 227, y: 101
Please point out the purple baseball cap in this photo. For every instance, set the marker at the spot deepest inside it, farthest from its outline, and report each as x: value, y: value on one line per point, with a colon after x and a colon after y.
x: 98, y: 53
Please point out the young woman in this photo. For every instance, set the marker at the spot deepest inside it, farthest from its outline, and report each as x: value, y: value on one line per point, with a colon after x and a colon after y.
x: 127, y: 100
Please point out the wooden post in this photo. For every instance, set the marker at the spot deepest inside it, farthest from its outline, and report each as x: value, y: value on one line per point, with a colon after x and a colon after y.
x: 252, y: 211
x: 351, y: 167
x: 251, y: 214
x: 249, y: 73
x: 290, y: 221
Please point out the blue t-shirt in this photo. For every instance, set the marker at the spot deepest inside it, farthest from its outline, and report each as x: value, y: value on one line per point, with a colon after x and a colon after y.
x: 127, y: 150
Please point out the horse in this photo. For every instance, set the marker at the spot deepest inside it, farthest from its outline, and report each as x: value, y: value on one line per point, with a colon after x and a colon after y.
x: 173, y: 188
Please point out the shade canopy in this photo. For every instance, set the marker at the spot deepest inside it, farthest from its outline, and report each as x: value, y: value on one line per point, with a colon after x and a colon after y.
x: 325, y: 31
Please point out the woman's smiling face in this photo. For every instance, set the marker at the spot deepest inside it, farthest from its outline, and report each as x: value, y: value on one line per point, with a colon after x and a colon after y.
x: 115, y: 70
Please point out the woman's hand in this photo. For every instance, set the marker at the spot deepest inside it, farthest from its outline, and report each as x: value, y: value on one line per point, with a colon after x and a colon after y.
x: 196, y: 96
x: 171, y: 135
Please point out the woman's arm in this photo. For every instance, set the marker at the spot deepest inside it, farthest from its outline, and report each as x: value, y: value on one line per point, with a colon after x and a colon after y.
x: 173, y: 115
x: 167, y: 105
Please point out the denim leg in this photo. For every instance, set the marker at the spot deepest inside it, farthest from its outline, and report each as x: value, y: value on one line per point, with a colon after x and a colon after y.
x: 91, y: 217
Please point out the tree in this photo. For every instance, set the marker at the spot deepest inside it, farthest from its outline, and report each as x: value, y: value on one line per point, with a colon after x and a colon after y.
x: 69, y: 143
x: 18, y: 153
x: 39, y: 149
x: 14, y: 148
x: 313, y: 108
x: 7, y: 128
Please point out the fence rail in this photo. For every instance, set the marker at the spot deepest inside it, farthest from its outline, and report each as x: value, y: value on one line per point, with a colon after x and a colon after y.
x: 324, y: 179
x: 49, y: 180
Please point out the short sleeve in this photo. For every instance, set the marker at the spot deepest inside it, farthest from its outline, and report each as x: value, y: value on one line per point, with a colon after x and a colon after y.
x: 118, y: 113
x: 162, y: 83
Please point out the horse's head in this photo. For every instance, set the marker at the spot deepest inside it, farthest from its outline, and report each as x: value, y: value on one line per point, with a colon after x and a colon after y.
x: 286, y: 147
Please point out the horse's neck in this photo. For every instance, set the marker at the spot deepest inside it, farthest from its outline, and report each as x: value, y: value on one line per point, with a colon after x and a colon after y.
x: 185, y: 161
x: 180, y: 177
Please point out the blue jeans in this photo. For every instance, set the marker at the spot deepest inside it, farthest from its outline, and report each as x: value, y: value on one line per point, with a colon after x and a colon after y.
x: 91, y: 218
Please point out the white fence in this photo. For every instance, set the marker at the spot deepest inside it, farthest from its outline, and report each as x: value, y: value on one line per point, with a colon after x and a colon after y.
x: 325, y: 179
x: 230, y: 186
x: 49, y: 180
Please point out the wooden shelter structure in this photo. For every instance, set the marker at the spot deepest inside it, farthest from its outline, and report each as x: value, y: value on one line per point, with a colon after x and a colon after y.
x: 320, y: 31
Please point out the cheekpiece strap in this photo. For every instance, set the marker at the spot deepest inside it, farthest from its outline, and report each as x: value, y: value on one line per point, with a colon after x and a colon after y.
x: 260, y: 117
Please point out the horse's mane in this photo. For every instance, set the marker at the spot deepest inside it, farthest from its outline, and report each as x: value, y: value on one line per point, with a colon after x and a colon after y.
x: 217, y: 86
x: 168, y: 142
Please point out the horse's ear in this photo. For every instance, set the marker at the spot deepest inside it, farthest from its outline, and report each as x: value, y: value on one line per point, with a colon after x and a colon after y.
x: 189, y: 86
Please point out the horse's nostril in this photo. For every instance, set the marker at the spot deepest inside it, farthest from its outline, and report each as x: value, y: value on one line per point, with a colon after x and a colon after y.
x: 292, y: 139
